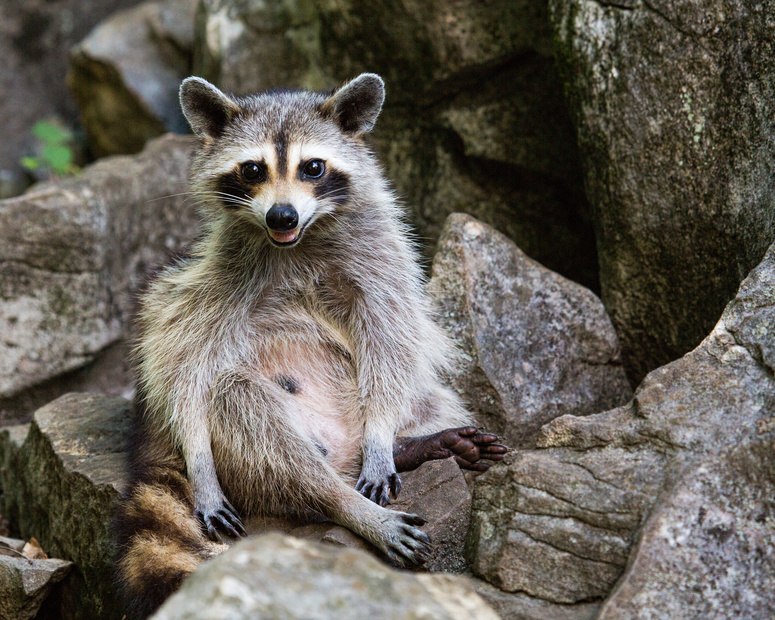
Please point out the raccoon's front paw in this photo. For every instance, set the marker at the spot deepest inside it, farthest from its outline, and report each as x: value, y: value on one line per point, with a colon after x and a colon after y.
x: 379, y: 483
x: 403, y: 542
x: 219, y: 515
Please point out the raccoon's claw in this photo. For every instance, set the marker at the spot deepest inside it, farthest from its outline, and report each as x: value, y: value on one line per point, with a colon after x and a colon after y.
x: 380, y: 491
x: 223, y: 518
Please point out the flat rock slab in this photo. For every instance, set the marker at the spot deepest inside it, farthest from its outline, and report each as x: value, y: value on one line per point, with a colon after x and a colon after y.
x: 559, y: 522
x: 535, y: 345
x: 275, y: 576
x: 73, y: 252
x: 61, y: 485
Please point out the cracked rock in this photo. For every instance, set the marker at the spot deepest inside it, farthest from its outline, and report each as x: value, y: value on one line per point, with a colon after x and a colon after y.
x: 559, y: 522
x: 73, y: 251
x: 276, y: 576
x: 673, y: 104
x: 534, y: 345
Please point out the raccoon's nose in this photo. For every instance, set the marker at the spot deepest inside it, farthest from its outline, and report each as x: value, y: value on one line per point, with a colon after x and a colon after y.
x: 282, y: 217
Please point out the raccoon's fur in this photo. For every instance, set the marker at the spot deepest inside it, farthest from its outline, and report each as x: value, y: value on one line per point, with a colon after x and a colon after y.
x: 279, y: 363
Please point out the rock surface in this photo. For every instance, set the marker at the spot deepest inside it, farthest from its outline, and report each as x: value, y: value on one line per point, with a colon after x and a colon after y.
x: 709, y: 550
x: 60, y: 486
x: 534, y: 345
x: 24, y: 583
x: 673, y: 105
x: 35, y: 36
x: 73, y: 252
x: 274, y: 576
x: 559, y: 522
x: 126, y: 74
x: 474, y: 118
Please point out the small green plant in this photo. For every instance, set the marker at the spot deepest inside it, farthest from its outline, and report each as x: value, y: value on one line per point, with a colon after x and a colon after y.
x: 56, y: 154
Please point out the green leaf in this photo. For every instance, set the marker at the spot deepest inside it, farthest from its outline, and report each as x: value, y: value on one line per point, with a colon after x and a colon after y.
x: 58, y: 158
x: 50, y: 134
x: 30, y: 163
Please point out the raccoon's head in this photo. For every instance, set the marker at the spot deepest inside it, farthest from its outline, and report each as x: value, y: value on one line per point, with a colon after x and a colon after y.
x: 283, y: 160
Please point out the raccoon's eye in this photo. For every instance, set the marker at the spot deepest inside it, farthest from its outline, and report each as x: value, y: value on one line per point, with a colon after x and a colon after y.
x: 314, y: 169
x: 253, y: 172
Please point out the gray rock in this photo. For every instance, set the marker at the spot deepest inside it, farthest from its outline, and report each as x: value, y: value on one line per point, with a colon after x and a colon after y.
x: 275, y: 576
x: 535, y: 345
x: 559, y: 522
x: 61, y: 485
x: 72, y: 253
x: 519, y: 606
x: 673, y: 105
x: 25, y: 584
x: 126, y: 74
x: 708, y: 551
x: 474, y: 118
x: 35, y: 36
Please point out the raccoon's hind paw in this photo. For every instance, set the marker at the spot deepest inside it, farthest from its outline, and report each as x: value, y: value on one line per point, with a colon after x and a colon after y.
x: 405, y: 544
x: 219, y: 518
x: 467, y: 444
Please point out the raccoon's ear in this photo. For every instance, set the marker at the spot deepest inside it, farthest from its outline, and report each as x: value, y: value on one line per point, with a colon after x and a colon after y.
x: 356, y: 105
x: 205, y: 107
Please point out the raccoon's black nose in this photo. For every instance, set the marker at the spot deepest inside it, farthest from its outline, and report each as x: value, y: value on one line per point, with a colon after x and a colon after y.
x: 282, y: 217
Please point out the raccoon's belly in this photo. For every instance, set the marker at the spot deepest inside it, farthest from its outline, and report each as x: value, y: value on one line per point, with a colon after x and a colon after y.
x: 322, y: 402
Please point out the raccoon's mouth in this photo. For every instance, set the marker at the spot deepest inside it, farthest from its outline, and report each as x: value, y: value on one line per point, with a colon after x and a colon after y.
x: 285, y: 239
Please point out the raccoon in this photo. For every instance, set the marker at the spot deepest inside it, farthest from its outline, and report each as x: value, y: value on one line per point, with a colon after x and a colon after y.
x: 289, y: 365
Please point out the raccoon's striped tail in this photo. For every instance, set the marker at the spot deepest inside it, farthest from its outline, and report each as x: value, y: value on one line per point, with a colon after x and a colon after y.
x: 160, y: 541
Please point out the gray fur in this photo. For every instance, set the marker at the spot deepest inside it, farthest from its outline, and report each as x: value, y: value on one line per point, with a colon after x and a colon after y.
x: 343, y: 311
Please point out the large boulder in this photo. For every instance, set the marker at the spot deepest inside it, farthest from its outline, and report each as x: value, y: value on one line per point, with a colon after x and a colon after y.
x: 474, y: 119
x: 709, y: 550
x: 673, y: 103
x: 73, y: 252
x: 534, y: 345
x: 274, y: 576
x: 126, y: 74
x: 559, y: 522
x: 35, y: 36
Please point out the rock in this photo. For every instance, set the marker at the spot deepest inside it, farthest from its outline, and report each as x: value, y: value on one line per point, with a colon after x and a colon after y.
x: 474, y: 118
x: 126, y: 74
x: 437, y: 491
x: 61, y: 485
x: 518, y: 606
x: 559, y: 522
x: 25, y: 584
x: 73, y: 252
x: 275, y: 576
x: 535, y: 345
x: 673, y: 106
x: 708, y: 550
x: 35, y: 36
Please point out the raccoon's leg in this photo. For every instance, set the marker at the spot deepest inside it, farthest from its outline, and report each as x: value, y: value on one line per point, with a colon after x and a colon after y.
x: 281, y: 465
x: 469, y: 447
x: 160, y: 541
